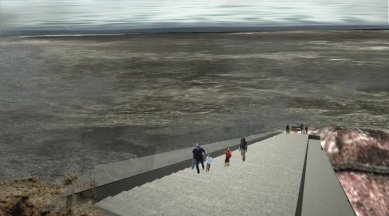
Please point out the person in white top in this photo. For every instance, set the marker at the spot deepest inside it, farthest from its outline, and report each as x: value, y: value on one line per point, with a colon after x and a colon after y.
x: 209, y: 162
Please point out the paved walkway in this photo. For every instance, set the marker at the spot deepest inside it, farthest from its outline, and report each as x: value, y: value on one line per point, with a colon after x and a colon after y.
x: 267, y: 183
x: 107, y: 173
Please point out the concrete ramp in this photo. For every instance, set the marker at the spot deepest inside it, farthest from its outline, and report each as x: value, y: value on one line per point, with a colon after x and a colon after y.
x: 323, y: 194
x: 267, y: 183
x: 110, y: 179
x: 282, y: 175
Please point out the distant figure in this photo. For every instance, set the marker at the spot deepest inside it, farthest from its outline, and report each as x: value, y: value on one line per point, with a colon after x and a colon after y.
x: 287, y: 129
x: 306, y: 129
x: 209, y: 162
x: 243, y: 148
x: 302, y: 128
x: 228, y: 156
x: 198, y: 156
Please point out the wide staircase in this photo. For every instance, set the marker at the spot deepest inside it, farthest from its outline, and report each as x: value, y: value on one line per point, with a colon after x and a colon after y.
x: 267, y: 183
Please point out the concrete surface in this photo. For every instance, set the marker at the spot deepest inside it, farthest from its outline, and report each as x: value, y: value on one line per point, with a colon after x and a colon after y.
x: 267, y: 183
x: 111, y: 172
x: 322, y: 191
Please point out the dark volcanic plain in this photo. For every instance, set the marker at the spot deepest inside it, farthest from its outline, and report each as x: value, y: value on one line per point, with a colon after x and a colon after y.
x: 68, y: 103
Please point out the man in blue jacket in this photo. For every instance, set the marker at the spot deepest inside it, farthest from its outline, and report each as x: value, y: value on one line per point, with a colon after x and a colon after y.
x: 198, y: 156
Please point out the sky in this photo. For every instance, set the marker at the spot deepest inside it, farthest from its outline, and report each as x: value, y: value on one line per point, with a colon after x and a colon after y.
x: 138, y: 14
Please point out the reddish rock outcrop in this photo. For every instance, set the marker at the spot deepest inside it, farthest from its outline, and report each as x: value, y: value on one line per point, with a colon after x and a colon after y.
x: 368, y: 193
x: 361, y: 159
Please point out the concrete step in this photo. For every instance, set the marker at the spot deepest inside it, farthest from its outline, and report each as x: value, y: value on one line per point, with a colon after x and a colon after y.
x: 155, y: 199
x: 122, y: 206
x: 168, y: 193
x: 134, y: 211
x: 131, y: 203
x: 187, y: 187
x: 179, y: 186
x: 105, y: 203
x: 124, y: 193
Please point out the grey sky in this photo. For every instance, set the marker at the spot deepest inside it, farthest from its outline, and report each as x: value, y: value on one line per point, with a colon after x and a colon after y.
x: 105, y: 14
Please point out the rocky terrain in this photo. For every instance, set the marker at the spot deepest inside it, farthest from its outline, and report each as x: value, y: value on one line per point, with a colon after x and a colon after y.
x: 360, y: 158
x: 31, y: 197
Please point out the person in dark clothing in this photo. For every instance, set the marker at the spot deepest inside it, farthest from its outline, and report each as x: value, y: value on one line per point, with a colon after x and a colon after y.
x: 306, y: 129
x: 287, y: 129
x: 243, y: 148
x: 198, y: 156
x: 302, y: 128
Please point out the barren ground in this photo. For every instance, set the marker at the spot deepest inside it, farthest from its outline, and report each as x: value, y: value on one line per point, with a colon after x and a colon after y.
x: 68, y: 103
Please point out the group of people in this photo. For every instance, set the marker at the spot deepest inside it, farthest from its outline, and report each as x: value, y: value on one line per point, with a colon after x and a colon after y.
x: 198, y: 153
x: 302, y: 128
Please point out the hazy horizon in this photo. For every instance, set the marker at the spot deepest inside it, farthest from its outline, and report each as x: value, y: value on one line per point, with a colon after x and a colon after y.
x: 99, y: 16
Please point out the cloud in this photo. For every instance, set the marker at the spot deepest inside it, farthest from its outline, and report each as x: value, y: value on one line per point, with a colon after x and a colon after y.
x: 138, y: 13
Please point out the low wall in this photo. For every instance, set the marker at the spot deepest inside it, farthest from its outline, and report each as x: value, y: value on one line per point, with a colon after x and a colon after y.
x: 322, y: 191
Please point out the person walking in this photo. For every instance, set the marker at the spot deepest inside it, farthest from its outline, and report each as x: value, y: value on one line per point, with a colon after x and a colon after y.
x: 306, y: 129
x: 287, y: 129
x: 302, y: 128
x: 198, y: 156
x: 243, y: 148
x: 228, y: 156
x: 209, y: 162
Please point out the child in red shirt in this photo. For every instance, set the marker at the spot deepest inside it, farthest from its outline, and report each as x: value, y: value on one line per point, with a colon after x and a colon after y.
x: 228, y: 156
